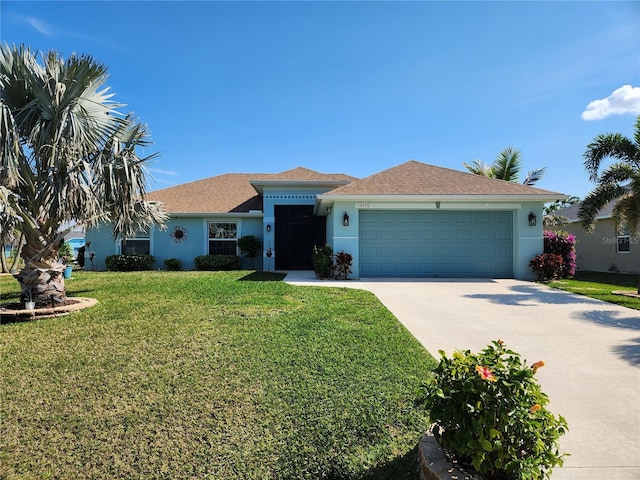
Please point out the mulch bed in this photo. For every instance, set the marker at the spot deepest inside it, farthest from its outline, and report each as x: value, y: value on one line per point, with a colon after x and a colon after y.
x: 12, y: 312
x: 19, y: 306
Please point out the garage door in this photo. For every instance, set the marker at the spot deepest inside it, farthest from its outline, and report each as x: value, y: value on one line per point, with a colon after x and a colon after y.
x: 436, y: 244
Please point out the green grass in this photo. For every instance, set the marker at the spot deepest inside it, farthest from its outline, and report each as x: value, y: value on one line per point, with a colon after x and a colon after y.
x: 201, y: 375
x: 600, y: 285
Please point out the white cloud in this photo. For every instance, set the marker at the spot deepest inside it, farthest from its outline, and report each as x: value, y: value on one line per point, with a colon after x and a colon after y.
x: 162, y: 172
x: 39, y: 25
x: 625, y: 99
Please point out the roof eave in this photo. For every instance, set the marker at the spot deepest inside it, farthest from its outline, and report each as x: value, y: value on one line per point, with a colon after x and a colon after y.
x: 217, y: 214
x: 599, y: 217
x: 297, y: 184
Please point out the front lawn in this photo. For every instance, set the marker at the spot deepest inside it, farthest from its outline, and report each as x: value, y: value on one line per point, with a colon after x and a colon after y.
x: 600, y: 285
x: 202, y: 375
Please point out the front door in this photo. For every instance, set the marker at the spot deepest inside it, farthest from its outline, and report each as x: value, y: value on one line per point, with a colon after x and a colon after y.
x: 297, y: 230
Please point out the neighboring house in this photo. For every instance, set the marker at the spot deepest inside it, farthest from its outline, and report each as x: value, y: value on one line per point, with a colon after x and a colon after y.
x: 608, y: 248
x: 412, y: 220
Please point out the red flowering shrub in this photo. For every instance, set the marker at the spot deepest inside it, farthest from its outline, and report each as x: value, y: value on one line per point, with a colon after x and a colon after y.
x: 547, y: 266
x: 342, y: 267
x: 563, y: 244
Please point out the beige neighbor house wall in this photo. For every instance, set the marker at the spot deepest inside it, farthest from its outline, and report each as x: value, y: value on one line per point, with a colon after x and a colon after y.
x: 598, y: 251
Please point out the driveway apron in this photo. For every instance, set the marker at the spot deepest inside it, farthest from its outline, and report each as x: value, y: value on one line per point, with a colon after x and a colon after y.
x: 591, y: 351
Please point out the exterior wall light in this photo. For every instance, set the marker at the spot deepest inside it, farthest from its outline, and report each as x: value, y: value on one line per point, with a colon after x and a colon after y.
x: 345, y: 219
x: 268, y: 227
x: 532, y: 219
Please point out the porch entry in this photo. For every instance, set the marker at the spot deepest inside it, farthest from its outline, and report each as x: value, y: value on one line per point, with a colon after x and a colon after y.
x: 297, y: 230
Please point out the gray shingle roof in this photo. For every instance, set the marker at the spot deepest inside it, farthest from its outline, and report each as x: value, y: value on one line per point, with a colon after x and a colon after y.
x: 571, y: 212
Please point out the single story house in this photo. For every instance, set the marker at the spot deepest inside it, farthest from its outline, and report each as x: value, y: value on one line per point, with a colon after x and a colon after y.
x: 608, y: 248
x: 412, y: 220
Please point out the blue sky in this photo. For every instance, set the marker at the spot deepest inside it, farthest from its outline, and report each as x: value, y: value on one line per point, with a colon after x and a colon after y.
x: 356, y: 87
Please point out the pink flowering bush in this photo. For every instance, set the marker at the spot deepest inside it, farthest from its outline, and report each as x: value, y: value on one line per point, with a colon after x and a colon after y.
x: 547, y: 266
x: 563, y: 244
x: 490, y: 413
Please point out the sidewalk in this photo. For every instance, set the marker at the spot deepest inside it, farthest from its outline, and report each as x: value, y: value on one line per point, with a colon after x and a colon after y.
x: 591, y: 350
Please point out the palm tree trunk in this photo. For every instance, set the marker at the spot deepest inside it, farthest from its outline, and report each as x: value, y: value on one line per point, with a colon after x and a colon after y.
x: 41, y: 279
x: 17, y: 256
x: 45, y: 287
x: 3, y: 261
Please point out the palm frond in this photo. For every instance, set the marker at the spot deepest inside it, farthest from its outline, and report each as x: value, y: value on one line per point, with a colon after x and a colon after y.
x: 507, y: 165
x: 554, y: 220
x: 617, y: 173
x: 595, y: 201
x: 611, y: 145
x: 478, y: 167
x: 534, y: 176
x: 626, y: 212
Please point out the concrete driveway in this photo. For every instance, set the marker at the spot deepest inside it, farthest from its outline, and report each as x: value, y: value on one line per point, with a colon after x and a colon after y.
x: 591, y: 351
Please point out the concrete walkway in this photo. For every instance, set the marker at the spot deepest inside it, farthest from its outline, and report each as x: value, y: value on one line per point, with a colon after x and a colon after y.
x: 591, y: 351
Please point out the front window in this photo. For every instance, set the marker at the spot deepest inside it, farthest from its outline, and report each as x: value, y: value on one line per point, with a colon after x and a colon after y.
x: 223, y: 238
x: 136, y: 246
x: 623, y: 241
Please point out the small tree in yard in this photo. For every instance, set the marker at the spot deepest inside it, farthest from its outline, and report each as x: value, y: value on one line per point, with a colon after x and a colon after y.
x: 250, y: 246
x: 67, y: 156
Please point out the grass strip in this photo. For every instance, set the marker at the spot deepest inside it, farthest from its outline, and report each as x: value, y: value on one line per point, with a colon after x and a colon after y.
x: 600, y: 285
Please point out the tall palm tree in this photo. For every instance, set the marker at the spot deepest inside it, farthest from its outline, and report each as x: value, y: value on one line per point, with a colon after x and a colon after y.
x: 506, y: 166
x: 67, y: 156
x: 619, y: 182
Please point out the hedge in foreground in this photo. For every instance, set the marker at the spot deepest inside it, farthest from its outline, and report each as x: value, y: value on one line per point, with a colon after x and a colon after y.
x: 129, y: 263
x: 490, y: 412
x: 217, y: 262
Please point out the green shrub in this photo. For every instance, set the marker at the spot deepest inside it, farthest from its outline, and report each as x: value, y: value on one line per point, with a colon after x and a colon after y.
x: 217, y: 262
x: 66, y: 252
x: 321, y: 261
x: 174, y: 264
x: 491, y: 414
x: 129, y: 263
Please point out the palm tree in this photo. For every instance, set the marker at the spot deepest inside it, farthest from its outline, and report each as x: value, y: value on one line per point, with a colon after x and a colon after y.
x: 506, y: 166
x: 551, y: 217
x: 619, y: 182
x: 67, y: 157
